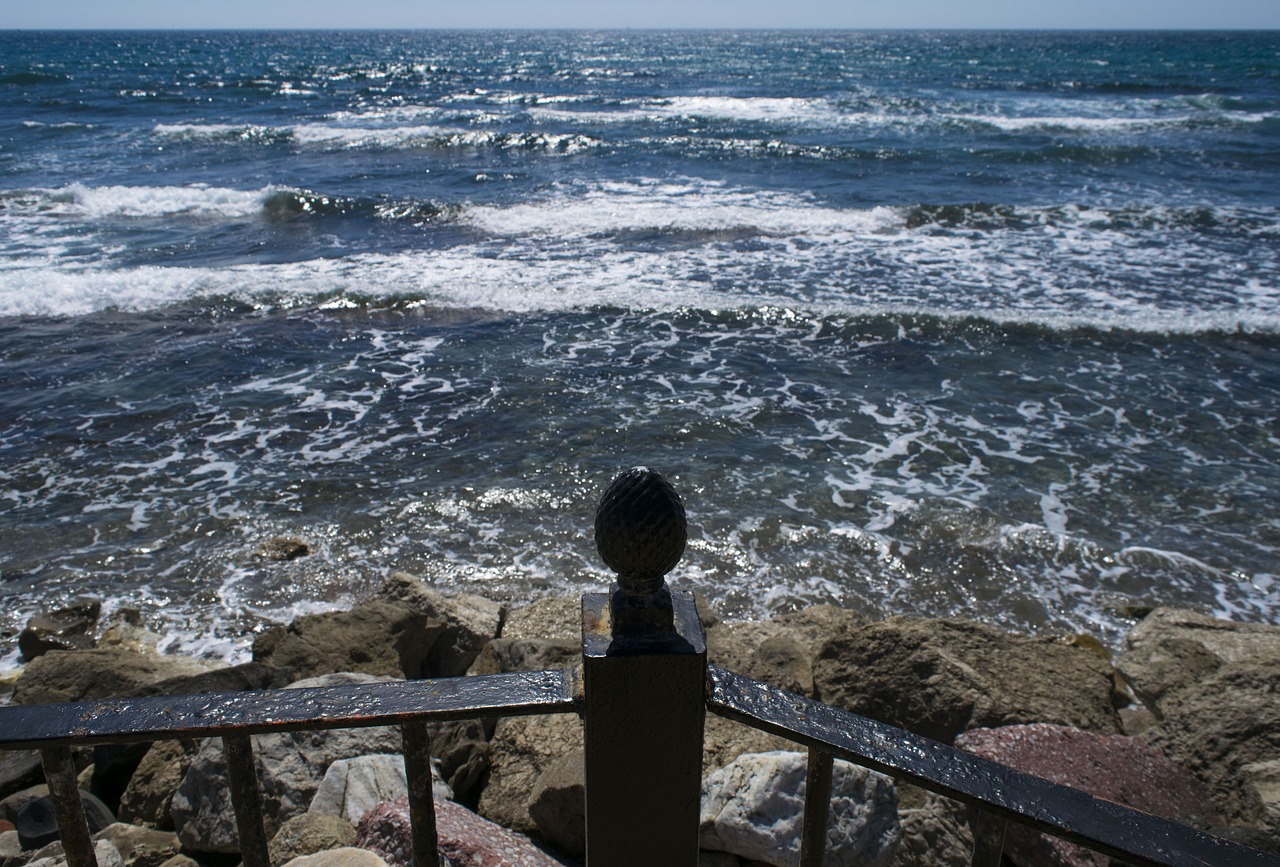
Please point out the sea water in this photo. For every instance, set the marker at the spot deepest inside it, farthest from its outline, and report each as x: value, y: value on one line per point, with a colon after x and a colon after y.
x: 974, y: 324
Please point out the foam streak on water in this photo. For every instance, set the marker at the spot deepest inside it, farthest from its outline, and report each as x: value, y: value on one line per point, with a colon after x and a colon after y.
x: 976, y: 324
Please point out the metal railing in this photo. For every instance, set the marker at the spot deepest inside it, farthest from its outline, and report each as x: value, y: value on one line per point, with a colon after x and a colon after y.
x: 643, y: 689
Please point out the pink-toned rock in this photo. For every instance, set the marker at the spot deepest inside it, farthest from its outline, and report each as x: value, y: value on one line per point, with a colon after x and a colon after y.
x: 1113, y: 767
x: 466, y: 839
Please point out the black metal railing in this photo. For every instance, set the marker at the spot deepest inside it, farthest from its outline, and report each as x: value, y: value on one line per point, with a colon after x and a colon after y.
x: 642, y: 689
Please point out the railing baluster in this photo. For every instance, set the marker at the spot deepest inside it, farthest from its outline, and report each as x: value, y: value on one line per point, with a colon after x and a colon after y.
x: 988, y: 840
x: 246, y: 800
x: 817, y: 808
x: 422, y: 807
x: 64, y: 789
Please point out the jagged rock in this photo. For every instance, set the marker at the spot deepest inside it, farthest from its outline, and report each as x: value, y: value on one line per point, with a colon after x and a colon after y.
x: 558, y: 804
x: 104, y: 852
x: 139, y: 846
x: 37, y: 823
x: 934, y: 834
x: 470, y: 622
x: 464, y: 838
x: 62, y: 629
x: 19, y: 769
x: 308, y: 834
x: 1172, y: 648
x: 348, y: 856
x: 723, y: 740
x: 754, y: 808
x: 84, y: 675
x: 1225, y: 729
x: 236, y: 678
x: 940, y: 677
x: 462, y: 749
x: 150, y: 789
x: 526, y: 654
x: 555, y: 617
x: 283, y: 548
x: 289, y: 768
x: 376, y: 637
x: 124, y: 629
x: 521, y: 749
x: 780, y: 651
x: 352, y: 787
x: 1112, y: 767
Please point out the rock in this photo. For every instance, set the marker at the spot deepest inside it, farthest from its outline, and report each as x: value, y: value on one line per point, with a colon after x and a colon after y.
x: 237, y: 678
x: 526, y: 654
x: 352, y: 787
x: 754, y: 808
x: 104, y: 852
x: 558, y: 804
x: 347, y: 856
x: 290, y: 767
x: 139, y: 846
x: 19, y: 769
x: 308, y: 834
x: 470, y: 622
x: 11, y: 854
x: 555, y: 617
x: 283, y: 548
x: 940, y: 677
x: 934, y: 834
x: 13, y: 804
x: 462, y: 750
x: 1112, y: 767
x: 464, y: 838
x: 1225, y: 729
x: 125, y: 630
x: 85, y: 675
x: 181, y: 861
x: 780, y: 651
x: 723, y: 740
x: 150, y: 789
x: 521, y: 749
x: 63, y: 629
x: 37, y: 824
x: 1172, y: 648
x: 376, y: 637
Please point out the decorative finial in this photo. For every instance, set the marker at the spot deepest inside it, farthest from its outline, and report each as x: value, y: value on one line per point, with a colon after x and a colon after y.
x: 640, y: 529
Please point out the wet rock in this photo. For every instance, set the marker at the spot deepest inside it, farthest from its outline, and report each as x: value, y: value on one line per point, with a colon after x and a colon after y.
x: 754, y: 808
x: 308, y: 834
x: 283, y: 548
x: 558, y: 804
x: 290, y: 767
x: 125, y: 630
x: 375, y: 637
x: 465, y: 838
x: 940, y: 677
x: 352, y: 787
x: 66, y: 628
x: 469, y: 622
x: 1115, y: 768
x: 85, y: 675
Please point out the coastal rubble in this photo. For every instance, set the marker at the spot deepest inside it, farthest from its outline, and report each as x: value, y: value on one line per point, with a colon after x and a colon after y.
x: 1204, y: 689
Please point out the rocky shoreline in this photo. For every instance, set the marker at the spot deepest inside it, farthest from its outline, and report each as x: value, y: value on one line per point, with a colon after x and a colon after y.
x: 1185, y: 723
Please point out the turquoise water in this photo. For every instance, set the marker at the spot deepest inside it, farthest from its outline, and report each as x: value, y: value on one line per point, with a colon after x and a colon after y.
x: 970, y: 323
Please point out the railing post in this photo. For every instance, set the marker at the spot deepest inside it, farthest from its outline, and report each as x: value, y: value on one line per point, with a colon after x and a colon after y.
x: 246, y: 800
x: 644, y: 685
x: 73, y: 827
x: 817, y: 808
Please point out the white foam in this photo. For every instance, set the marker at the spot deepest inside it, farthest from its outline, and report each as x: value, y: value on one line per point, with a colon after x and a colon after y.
x: 85, y: 202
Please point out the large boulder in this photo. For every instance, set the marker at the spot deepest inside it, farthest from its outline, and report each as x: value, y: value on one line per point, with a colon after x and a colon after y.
x: 469, y: 622
x: 526, y: 654
x: 754, y: 808
x: 935, y: 833
x: 521, y: 750
x: 1116, y: 768
x: 940, y: 677
x: 37, y: 821
x: 290, y: 767
x: 67, y: 628
x: 352, y: 787
x: 464, y: 838
x: 150, y: 790
x: 462, y: 750
x: 1225, y: 728
x: 85, y: 675
x: 1172, y: 648
x: 377, y: 637
x: 780, y: 651
x: 553, y: 617
x: 139, y: 846
x: 558, y: 804
x: 19, y: 769
x: 308, y: 834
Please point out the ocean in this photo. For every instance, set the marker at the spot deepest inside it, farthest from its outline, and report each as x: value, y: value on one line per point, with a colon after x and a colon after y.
x: 980, y: 324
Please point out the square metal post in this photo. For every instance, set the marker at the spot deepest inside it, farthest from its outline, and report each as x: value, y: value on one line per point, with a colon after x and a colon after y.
x: 644, y: 706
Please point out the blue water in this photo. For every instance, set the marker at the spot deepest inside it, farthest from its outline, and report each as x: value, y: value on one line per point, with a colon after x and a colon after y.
x: 983, y: 324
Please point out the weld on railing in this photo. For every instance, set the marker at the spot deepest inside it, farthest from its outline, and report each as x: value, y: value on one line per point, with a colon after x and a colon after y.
x: 642, y: 690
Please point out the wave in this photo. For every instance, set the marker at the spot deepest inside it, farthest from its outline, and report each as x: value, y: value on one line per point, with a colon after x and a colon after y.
x: 355, y: 138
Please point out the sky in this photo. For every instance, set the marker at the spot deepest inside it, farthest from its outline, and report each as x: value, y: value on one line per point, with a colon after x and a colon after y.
x: 854, y: 14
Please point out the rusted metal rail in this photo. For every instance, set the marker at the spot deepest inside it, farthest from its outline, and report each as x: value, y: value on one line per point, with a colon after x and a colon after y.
x: 643, y: 690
